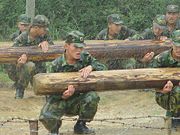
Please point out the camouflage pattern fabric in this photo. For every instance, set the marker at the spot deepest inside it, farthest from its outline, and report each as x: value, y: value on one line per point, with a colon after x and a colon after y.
x: 22, y: 75
x: 123, y: 34
x: 15, y: 35
x: 169, y: 101
x: 82, y: 104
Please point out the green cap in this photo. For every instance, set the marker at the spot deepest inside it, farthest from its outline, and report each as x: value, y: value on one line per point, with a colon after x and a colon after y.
x: 114, y: 18
x: 40, y: 20
x: 159, y: 21
x: 77, y: 38
x: 172, y: 8
x: 24, y: 19
x: 176, y: 38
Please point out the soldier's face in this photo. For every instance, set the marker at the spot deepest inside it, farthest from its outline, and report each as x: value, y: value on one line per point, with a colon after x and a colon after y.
x: 42, y: 31
x: 73, y: 52
x: 115, y: 28
x: 23, y: 27
x: 176, y: 51
x: 171, y: 18
x: 157, y: 31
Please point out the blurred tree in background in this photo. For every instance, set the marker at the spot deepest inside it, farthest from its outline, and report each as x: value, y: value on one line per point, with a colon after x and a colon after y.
x: 88, y: 16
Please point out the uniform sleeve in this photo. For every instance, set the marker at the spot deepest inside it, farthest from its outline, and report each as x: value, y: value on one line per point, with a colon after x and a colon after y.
x: 157, y: 61
x: 48, y: 39
x: 18, y: 41
x: 97, y: 66
x: 52, y: 67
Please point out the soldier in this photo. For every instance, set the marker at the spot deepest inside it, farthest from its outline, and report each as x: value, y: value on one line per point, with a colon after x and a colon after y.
x: 169, y: 97
x: 172, y: 18
x: 115, y: 30
x: 23, y: 25
x: 157, y: 32
x: 71, y: 102
x: 22, y: 72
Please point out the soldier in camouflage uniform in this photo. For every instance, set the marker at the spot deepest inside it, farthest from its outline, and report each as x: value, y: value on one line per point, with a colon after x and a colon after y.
x: 22, y: 72
x: 23, y: 25
x: 117, y: 31
x: 70, y: 102
x: 169, y: 97
x: 158, y: 31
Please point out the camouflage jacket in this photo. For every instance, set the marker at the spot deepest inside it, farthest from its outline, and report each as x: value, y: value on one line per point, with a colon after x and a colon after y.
x: 60, y: 64
x: 123, y: 34
x: 24, y: 40
x: 165, y: 59
x: 148, y: 34
x: 15, y: 35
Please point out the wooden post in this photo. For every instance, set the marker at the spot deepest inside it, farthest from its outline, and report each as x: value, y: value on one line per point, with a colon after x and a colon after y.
x: 30, y: 8
x: 50, y: 83
x: 102, y: 50
x: 33, y: 126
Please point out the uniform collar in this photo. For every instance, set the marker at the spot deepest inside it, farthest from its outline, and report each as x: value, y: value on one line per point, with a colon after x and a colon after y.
x: 64, y: 62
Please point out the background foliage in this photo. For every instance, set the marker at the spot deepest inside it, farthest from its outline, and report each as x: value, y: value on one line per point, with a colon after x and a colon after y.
x: 88, y: 16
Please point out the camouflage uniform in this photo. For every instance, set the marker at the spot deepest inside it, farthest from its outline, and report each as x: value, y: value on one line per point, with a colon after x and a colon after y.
x: 124, y: 33
x: 169, y: 101
x: 23, y: 74
x: 24, y: 20
x: 82, y: 104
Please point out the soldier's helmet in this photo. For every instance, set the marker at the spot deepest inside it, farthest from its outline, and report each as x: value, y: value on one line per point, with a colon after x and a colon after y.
x: 172, y: 9
x: 114, y: 18
x: 76, y: 37
x: 176, y: 38
x: 40, y: 20
x: 24, y: 19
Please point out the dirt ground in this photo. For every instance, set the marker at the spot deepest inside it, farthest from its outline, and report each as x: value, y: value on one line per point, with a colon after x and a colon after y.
x: 113, y: 106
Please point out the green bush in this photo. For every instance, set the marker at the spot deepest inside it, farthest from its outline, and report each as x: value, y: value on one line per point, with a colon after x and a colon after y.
x: 88, y: 16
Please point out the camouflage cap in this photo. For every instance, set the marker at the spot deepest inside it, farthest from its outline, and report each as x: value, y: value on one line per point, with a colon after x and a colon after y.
x: 159, y: 21
x: 172, y: 8
x: 114, y: 18
x: 24, y: 19
x: 40, y: 20
x: 77, y: 38
x: 176, y: 38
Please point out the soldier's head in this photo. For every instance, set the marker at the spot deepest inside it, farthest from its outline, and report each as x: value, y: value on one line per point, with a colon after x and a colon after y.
x: 40, y: 25
x: 114, y: 23
x: 74, y: 44
x: 176, y: 43
x: 23, y: 22
x: 159, y: 25
x: 172, y: 14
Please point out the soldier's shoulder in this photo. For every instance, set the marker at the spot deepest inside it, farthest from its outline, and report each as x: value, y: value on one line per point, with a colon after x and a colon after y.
x: 22, y: 36
x: 58, y: 61
x: 163, y: 56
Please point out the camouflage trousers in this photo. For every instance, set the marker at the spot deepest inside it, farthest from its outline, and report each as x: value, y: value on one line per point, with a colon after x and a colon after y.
x: 82, y: 104
x: 122, y: 64
x: 170, y: 101
x: 21, y: 75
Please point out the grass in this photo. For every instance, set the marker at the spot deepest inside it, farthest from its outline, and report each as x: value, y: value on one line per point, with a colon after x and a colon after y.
x: 4, y: 77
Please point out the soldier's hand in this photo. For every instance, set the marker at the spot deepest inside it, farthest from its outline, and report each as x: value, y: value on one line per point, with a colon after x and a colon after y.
x: 44, y: 46
x: 85, y: 72
x: 167, y: 87
x: 69, y: 92
x: 147, y: 57
x: 22, y: 59
x: 163, y: 38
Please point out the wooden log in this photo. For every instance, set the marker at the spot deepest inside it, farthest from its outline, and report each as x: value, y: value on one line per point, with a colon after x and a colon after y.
x: 113, y: 49
x: 105, y: 80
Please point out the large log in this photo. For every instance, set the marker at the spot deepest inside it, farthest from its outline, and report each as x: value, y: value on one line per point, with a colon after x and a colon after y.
x: 113, y: 49
x: 105, y: 80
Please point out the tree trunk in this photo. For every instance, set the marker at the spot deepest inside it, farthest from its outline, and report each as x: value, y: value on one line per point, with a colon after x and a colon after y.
x: 102, y: 50
x: 30, y: 8
x: 105, y: 80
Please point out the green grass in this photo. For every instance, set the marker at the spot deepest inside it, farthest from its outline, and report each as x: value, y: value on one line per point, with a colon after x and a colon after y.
x: 4, y: 78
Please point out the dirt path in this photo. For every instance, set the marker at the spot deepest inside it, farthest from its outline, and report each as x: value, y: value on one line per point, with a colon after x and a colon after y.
x: 113, y: 105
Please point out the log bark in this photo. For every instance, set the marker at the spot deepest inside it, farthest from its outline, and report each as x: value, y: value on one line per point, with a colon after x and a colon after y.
x: 113, y: 49
x: 52, y: 83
